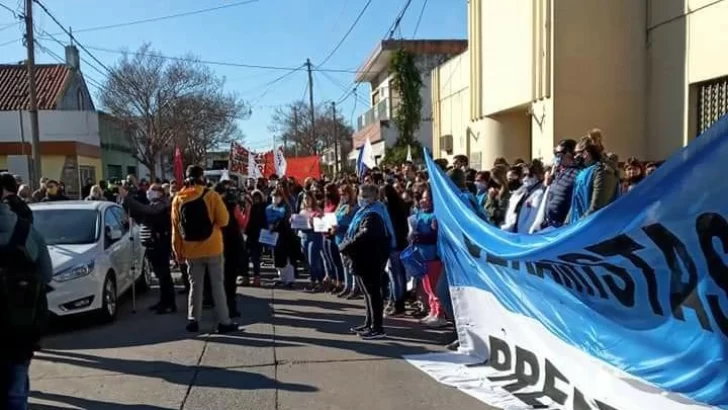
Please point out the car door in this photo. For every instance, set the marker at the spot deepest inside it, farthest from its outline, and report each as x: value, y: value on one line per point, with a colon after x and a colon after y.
x: 126, y: 249
x: 116, y: 249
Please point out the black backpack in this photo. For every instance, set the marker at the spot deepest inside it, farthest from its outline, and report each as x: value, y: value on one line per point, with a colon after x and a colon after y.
x: 195, y: 224
x: 23, y: 302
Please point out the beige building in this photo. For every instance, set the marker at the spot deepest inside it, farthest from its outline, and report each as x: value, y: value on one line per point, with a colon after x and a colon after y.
x: 652, y: 74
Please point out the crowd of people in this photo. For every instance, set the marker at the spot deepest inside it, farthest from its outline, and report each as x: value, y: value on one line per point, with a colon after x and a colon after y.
x: 219, y: 234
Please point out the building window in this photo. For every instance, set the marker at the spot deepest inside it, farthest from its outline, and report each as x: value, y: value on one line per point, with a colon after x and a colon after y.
x: 712, y: 102
x: 114, y: 172
x: 87, y: 173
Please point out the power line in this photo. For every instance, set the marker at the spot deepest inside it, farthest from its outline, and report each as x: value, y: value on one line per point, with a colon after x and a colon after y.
x: 398, y: 20
x: 342, y: 87
x: 222, y: 63
x: 419, y: 19
x: 270, y: 84
x: 161, y: 18
x: 13, y: 12
x: 353, y: 25
x: 10, y: 42
x: 70, y: 35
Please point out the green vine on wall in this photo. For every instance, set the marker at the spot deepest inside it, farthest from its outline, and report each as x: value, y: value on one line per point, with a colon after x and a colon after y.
x: 406, y: 82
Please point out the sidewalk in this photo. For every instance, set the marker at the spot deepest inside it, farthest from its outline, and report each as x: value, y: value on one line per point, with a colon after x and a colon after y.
x: 294, y: 352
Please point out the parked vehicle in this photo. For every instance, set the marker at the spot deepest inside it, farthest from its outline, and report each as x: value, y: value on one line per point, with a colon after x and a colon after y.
x: 93, y: 249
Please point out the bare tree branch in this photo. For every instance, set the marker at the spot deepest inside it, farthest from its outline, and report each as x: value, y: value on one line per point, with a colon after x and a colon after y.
x: 167, y: 103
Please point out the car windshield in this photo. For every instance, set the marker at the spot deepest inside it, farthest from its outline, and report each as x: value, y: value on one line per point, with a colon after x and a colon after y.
x: 67, y: 226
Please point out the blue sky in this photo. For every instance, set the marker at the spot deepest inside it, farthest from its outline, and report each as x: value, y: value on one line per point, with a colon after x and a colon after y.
x: 265, y: 32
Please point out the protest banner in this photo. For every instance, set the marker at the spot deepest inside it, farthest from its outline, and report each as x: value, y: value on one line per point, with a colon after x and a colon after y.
x: 625, y: 310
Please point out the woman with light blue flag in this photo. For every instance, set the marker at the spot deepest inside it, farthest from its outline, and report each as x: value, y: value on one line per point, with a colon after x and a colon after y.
x: 597, y: 184
x: 368, y: 244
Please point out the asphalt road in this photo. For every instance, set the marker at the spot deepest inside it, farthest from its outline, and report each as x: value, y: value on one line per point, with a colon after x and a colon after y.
x: 293, y: 352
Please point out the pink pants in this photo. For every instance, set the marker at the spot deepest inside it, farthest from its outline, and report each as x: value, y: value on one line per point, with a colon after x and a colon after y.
x: 429, y: 283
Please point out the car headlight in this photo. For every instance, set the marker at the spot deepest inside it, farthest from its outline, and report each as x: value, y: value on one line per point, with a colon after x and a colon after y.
x: 74, y: 272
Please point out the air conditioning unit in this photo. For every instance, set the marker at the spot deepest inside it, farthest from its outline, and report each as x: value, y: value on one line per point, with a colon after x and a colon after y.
x: 446, y: 143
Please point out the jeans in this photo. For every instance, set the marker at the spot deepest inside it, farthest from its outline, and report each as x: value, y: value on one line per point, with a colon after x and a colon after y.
x: 214, y: 267
x: 15, y: 385
x: 332, y: 261
x: 397, y: 280
x: 312, y: 244
x: 159, y: 259
x: 372, y: 287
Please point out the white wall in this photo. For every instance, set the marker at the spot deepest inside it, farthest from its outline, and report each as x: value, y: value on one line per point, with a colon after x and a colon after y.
x: 80, y: 126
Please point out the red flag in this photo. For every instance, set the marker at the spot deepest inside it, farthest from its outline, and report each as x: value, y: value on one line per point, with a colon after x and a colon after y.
x: 179, y: 167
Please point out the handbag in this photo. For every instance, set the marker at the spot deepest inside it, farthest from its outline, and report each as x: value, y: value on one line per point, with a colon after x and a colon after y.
x: 414, y: 262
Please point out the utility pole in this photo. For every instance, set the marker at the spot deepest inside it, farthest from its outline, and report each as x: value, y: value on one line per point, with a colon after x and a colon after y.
x: 296, y: 138
x: 35, y: 172
x: 336, y: 137
x: 310, y: 102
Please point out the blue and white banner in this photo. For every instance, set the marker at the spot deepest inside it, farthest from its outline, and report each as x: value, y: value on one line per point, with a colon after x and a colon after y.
x: 626, y: 310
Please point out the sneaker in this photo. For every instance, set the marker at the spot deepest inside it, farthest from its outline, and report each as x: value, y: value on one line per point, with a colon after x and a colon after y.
x: 354, y: 296
x: 243, y: 281
x: 193, y: 326
x: 344, y: 293
x: 454, y: 346
x: 395, y: 313
x: 435, y: 322
x: 230, y: 327
x: 359, y: 329
x: 256, y: 281
x: 165, y: 309
x: 373, y: 335
x: 426, y: 318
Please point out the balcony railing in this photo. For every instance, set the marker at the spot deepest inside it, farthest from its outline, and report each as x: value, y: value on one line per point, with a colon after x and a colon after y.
x: 379, y: 112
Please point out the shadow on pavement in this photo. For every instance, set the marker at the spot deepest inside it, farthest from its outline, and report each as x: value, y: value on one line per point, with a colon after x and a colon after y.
x: 85, y: 404
x: 225, y: 378
x: 145, y: 327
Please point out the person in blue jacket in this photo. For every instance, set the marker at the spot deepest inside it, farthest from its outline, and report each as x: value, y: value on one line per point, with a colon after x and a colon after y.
x: 344, y: 214
x: 424, y: 237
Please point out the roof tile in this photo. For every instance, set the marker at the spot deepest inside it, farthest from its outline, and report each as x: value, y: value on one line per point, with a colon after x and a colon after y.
x: 50, y: 82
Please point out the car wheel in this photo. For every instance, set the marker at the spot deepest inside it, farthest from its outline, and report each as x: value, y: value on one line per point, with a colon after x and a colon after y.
x: 145, y: 279
x: 109, y: 299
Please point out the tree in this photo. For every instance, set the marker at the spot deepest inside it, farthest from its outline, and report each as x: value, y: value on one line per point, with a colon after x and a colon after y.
x: 166, y: 103
x: 406, y: 82
x: 292, y: 126
x: 205, y: 123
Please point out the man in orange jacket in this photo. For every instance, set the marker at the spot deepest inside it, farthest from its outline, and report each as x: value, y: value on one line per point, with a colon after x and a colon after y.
x: 198, y: 214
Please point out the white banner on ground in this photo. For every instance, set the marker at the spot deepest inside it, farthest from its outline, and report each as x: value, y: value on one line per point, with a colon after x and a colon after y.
x: 526, y: 367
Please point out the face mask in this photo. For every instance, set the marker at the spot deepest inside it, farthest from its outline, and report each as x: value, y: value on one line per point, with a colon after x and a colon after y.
x: 153, y: 195
x: 557, y: 161
x: 514, y: 185
x: 634, y: 179
x: 579, y: 161
x: 345, y: 199
x: 52, y: 191
x: 363, y: 202
x: 480, y: 186
x: 530, y: 181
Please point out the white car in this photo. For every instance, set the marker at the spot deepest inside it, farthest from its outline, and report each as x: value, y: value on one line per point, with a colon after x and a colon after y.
x: 96, y: 256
